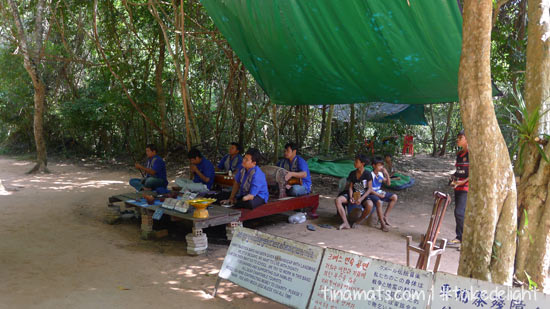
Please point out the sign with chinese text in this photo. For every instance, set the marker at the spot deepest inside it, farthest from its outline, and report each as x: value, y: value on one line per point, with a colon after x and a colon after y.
x: 454, y: 292
x: 277, y: 268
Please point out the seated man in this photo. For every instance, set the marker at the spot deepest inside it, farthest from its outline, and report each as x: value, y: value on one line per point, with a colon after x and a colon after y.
x: 231, y: 161
x: 250, y: 188
x: 202, y: 173
x: 155, y: 172
x: 380, y: 175
x: 297, y: 168
x: 359, y: 185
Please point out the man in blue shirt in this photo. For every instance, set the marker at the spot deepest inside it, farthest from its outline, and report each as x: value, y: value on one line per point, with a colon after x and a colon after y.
x: 250, y: 188
x: 202, y: 170
x: 155, y: 172
x: 233, y: 160
x: 297, y: 168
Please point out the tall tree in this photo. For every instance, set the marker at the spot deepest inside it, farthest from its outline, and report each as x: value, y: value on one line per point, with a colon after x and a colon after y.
x: 328, y: 131
x: 447, y: 130
x: 489, y: 239
x: 533, y: 256
x: 31, y: 46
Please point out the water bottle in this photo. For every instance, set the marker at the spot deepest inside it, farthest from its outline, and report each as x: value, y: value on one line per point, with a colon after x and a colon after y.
x: 297, y: 218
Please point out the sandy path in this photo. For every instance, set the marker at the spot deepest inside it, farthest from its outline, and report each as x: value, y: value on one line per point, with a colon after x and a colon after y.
x: 55, y: 252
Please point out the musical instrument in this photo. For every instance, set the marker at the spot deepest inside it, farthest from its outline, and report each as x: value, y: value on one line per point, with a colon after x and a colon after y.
x: 294, y: 181
x: 224, y: 180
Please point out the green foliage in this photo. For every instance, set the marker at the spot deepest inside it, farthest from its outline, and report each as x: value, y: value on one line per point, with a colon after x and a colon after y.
x: 525, y: 123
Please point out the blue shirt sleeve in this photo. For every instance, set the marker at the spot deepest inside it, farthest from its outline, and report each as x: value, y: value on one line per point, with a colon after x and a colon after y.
x: 238, y: 176
x: 160, y: 168
x: 302, y: 165
x: 222, y: 162
x: 209, y: 172
x: 254, y: 188
x: 239, y: 163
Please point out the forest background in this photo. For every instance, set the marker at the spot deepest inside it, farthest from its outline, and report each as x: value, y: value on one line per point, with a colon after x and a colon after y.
x: 145, y: 76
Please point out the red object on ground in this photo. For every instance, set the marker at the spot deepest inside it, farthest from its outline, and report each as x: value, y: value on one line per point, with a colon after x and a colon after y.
x: 310, y: 201
x: 408, y: 147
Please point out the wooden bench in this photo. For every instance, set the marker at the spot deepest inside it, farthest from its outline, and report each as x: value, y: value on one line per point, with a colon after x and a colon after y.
x: 310, y: 201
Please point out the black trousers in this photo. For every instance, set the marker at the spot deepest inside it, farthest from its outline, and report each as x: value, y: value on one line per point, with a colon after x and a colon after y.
x: 257, y: 201
x: 460, y: 209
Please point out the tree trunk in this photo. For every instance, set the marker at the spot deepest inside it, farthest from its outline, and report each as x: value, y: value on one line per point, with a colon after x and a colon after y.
x: 433, y: 130
x: 351, y: 131
x: 161, y: 98
x: 533, y: 255
x: 32, y: 60
x: 41, y: 153
x: 447, y: 130
x: 489, y: 239
x: 323, y: 122
x: 328, y: 129
x: 276, y: 134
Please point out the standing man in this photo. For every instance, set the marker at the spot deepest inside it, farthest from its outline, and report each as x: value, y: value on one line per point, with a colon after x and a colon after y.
x: 155, y: 171
x: 459, y: 181
x: 297, y: 168
x: 233, y: 160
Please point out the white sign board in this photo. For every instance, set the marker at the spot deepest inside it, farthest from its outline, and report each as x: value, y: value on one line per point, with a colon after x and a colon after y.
x: 348, y: 280
x: 454, y: 292
x: 277, y: 268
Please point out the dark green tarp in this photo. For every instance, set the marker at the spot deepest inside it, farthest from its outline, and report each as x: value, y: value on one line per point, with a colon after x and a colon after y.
x: 342, y: 168
x: 312, y: 52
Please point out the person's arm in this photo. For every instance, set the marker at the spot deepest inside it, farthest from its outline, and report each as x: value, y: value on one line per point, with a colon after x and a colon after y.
x: 295, y: 174
x: 367, y: 192
x: 221, y: 166
x: 234, y: 191
x: 196, y: 171
x: 302, y: 166
x: 387, y: 178
x: 350, y: 192
x: 149, y: 171
x: 457, y: 183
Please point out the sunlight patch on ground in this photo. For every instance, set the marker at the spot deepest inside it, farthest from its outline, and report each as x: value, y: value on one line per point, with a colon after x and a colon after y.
x: 67, y: 183
x: 20, y: 163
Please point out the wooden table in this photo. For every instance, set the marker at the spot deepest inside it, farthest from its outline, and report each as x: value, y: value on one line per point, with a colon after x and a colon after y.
x: 217, y: 215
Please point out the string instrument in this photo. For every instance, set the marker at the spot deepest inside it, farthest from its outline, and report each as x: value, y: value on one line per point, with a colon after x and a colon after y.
x: 224, y: 180
x: 134, y: 159
x: 294, y: 181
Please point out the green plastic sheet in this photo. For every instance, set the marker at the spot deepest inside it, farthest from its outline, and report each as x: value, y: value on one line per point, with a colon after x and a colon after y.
x: 342, y: 168
x: 312, y: 52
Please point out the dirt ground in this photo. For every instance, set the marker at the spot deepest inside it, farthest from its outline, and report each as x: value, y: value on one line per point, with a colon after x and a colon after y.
x: 56, y: 252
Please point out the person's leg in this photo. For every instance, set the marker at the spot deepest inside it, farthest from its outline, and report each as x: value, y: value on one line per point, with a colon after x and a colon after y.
x: 297, y: 190
x: 338, y: 202
x: 460, y: 208
x: 152, y: 183
x: 378, y: 204
x: 251, y: 204
x: 136, y: 183
x: 391, y: 199
x: 368, y: 208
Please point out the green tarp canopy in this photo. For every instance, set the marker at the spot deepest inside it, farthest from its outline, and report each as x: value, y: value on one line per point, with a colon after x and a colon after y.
x: 312, y: 52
